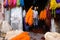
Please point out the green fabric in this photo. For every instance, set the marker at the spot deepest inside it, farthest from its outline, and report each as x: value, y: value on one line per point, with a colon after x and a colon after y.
x: 53, y: 12
x: 18, y: 2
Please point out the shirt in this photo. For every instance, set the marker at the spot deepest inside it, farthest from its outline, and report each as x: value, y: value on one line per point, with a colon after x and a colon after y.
x: 35, y: 14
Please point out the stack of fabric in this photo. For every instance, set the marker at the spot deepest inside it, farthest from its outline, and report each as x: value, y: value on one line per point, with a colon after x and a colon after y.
x: 17, y: 35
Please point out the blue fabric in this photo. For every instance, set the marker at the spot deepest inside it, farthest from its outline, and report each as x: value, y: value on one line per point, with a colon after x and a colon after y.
x: 26, y: 26
x: 22, y: 2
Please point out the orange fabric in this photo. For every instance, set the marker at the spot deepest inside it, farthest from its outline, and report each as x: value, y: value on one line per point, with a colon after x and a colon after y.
x: 29, y: 17
x: 22, y: 36
x: 9, y: 2
x: 43, y: 15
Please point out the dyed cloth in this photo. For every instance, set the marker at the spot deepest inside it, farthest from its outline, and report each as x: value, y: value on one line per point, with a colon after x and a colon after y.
x: 43, y: 15
x: 58, y: 11
x: 29, y: 17
x: 58, y: 1
x: 22, y: 36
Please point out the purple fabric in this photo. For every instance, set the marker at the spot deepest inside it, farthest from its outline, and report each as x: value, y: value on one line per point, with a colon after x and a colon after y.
x: 58, y: 1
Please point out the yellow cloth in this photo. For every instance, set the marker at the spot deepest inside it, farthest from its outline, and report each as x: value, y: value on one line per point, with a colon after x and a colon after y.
x: 53, y: 4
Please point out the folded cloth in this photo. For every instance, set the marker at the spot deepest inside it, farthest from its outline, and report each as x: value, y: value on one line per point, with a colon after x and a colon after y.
x: 17, y: 35
x: 22, y: 36
x: 5, y: 27
x: 12, y: 34
x: 52, y: 36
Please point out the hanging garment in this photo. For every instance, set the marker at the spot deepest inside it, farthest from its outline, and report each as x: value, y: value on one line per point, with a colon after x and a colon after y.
x: 48, y: 18
x: 7, y: 15
x: 13, y: 3
x: 18, y: 2
x: 16, y: 18
x: 9, y: 2
x: 43, y: 15
x: 22, y: 2
x: 58, y: 1
x: 53, y: 6
x: 58, y: 11
x: 6, y: 3
x: 29, y: 17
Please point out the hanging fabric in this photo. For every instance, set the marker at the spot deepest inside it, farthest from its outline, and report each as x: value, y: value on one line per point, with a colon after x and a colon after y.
x: 14, y: 2
x: 6, y: 3
x: 22, y: 2
x: 29, y: 17
x: 48, y: 18
x: 43, y: 15
x: 16, y: 18
x: 53, y: 6
x: 58, y: 1
x: 58, y: 11
x: 18, y: 2
x: 9, y: 2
